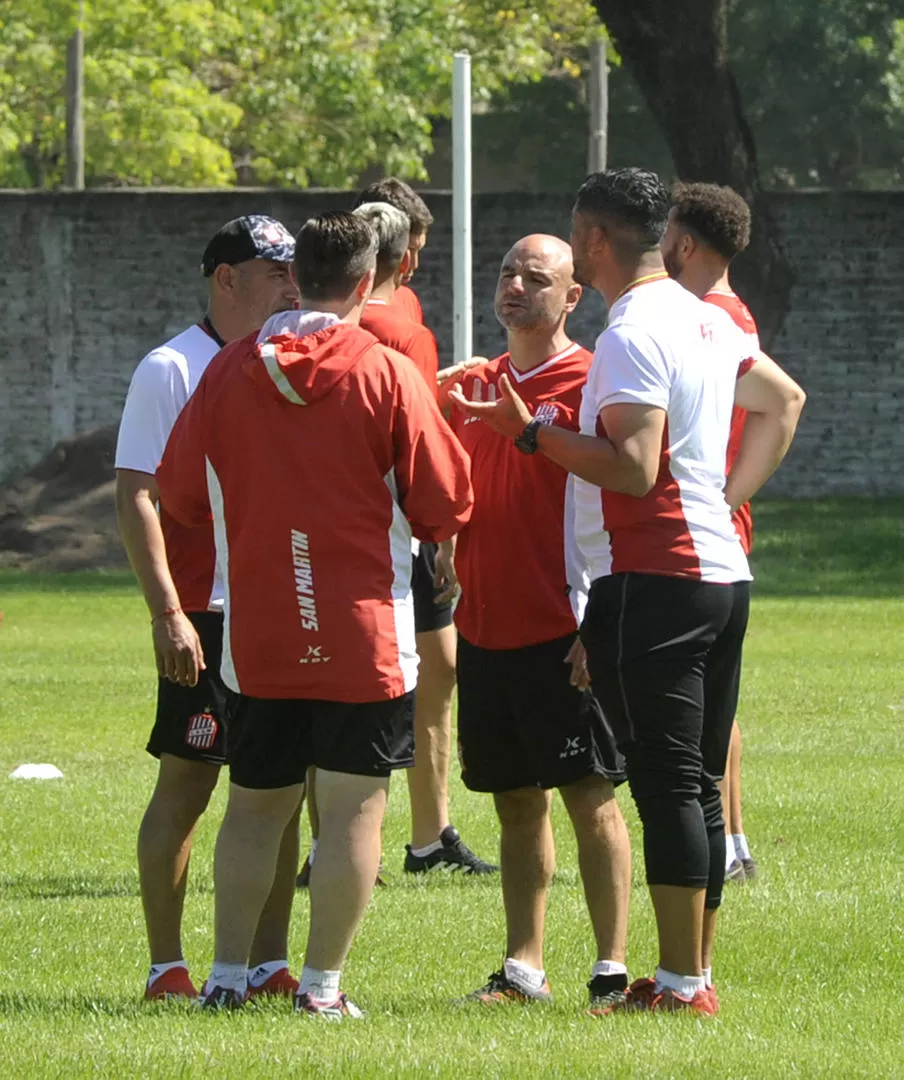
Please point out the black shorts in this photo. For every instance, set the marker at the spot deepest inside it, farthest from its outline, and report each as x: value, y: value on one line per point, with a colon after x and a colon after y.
x: 665, y: 657
x: 274, y: 741
x: 190, y: 720
x: 522, y: 724
x: 428, y: 615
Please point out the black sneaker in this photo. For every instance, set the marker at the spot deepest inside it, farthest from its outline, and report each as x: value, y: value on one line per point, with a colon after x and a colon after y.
x: 607, y: 994
x: 501, y: 990
x: 454, y: 855
x: 750, y: 868
x: 219, y: 999
x: 303, y: 880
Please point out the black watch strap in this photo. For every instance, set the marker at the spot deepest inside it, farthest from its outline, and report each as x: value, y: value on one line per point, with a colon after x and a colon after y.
x: 527, y: 440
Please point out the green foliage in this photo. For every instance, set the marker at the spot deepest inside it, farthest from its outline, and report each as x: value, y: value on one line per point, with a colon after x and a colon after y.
x: 821, y: 82
x: 302, y: 92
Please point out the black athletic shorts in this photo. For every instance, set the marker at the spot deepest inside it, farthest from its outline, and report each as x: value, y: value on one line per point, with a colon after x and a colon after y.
x: 428, y: 615
x: 190, y: 719
x: 274, y: 741
x: 522, y: 724
x: 665, y: 657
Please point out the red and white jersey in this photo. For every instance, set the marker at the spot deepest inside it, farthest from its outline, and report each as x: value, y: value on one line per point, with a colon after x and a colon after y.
x: 317, y: 456
x: 665, y: 348
x: 520, y: 571
x: 407, y: 301
x: 732, y: 304
x: 391, y: 326
x: 161, y: 385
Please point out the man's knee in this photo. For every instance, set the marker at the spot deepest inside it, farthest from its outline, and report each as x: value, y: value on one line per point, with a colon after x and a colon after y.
x: 183, y: 787
x: 590, y: 797
x: 267, y: 806
x: 522, y: 808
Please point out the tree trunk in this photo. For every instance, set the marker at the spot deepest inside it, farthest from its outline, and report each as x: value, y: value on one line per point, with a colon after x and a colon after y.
x: 677, y: 51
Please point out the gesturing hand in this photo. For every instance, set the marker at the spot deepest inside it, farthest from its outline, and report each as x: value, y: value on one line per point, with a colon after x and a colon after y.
x: 455, y: 371
x: 509, y: 415
x: 177, y: 649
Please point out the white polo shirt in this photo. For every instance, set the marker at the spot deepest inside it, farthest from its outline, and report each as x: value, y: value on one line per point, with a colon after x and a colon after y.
x: 664, y: 347
x: 160, y: 387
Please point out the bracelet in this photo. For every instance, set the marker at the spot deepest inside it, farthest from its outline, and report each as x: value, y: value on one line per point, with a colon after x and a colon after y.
x: 163, y: 614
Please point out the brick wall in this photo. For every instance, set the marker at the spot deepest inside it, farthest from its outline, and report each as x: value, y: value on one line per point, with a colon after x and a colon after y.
x: 91, y: 281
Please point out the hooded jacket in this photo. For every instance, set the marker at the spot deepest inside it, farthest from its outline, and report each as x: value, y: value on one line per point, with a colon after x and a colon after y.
x: 318, y: 456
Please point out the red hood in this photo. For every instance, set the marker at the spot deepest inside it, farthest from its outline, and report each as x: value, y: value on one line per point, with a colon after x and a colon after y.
x: 305, y: 369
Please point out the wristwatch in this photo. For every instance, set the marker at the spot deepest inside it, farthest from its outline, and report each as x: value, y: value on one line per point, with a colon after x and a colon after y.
x: 527, y: 440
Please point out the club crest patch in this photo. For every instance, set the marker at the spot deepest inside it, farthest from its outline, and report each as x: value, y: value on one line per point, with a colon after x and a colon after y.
x: 201, y: 731
x: 547, y: 413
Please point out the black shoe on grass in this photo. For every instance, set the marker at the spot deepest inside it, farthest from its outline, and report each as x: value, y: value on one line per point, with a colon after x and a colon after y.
x: 453, y: 855
x: 501, y: 990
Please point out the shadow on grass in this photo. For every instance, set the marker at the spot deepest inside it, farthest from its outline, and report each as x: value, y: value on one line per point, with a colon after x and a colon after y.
x: 86, y: 581
x: 829, y: 547
x: 71, y: 886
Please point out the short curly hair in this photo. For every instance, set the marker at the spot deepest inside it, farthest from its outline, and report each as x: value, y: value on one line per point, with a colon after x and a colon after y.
x: 718, y: 215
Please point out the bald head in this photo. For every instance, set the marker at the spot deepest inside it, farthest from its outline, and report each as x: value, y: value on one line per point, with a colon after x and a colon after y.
x: 536, y: 290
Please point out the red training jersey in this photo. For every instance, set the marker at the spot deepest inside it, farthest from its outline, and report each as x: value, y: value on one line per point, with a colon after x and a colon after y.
x: 516, y: 559
x: 318, y: 457
x: 740, y: 314
x: 408, y: 302
x: 390, y: 326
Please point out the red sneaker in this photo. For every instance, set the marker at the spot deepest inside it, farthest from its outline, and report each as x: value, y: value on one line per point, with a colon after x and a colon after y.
x: 704, y: 1002
x: 174, y: 983
x: 280, y: 984
x: 640, y: 996
x: 711, y: 990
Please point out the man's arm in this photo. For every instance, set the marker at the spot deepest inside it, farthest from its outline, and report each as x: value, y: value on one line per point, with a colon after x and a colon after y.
x: 774, y: 402
x: 177, y: 648
x: 432, y: 470
x: 626, y: 461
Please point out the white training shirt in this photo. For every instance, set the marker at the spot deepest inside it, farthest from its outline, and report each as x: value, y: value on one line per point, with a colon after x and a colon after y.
x: 666, y: 348
x: 161, y: 385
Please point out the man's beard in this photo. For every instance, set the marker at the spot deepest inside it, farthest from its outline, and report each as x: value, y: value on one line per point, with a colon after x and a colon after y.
x: 672, y: 264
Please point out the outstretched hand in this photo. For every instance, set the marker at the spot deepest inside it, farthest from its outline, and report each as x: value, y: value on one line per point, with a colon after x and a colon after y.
x: 508, y: 415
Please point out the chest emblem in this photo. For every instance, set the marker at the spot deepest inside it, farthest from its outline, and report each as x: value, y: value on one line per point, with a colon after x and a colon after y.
x: 547, y: 413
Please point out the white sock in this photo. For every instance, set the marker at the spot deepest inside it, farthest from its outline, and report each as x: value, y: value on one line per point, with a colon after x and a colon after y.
x: 740, y: 845
x: 608, y: 967
x: 263, y: 971
x: 730, y: 855
x: 323, y: 986
x: 708, y: 977
x: 420, y: 852
x: 313, y: 853
x: 228, y: 977
x: 685, y: 985
x: 156, y: 970
x: 528, y: 976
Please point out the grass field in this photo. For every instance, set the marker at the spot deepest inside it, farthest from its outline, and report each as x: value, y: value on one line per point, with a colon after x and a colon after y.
x: 812, y: 954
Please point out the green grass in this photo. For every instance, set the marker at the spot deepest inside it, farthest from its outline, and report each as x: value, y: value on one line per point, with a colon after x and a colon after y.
x: 810, y: 960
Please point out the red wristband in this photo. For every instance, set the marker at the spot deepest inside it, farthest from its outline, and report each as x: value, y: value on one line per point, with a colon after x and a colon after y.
x: 163, y: 614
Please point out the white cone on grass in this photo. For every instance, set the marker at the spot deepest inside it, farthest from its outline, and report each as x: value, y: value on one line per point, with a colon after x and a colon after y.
x: 36, y: 772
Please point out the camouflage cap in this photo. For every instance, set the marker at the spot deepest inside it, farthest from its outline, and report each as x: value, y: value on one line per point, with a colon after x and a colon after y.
x: 254, y: 236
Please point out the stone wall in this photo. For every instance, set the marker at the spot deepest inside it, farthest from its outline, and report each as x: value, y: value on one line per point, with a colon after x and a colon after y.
x: 91, y: 281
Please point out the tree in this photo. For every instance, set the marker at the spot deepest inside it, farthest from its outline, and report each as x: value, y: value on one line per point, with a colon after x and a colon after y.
x: 149, y: 116
x: 818, y: 79
x: 678, y: 54
x: 304, y: 92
